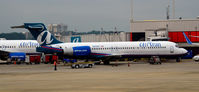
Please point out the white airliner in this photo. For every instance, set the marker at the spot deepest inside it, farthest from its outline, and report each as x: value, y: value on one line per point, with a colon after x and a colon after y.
x: 12, y: 46
x: 26, y: 46
x: 102, y: 50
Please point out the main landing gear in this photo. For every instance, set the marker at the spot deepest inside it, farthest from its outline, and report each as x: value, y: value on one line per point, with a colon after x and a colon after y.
x: 178, y: 59
x: 106, y: 62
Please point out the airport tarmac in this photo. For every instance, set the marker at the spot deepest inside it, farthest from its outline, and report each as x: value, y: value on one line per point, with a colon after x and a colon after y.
x: 139, y: 77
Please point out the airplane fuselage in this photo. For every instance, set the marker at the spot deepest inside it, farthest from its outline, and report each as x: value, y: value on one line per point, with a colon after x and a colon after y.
x: 26, y: 46
x: 125, y: 49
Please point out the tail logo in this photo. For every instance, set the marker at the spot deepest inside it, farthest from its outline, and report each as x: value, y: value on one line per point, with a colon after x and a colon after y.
x: 76, y: 40
x: 45, y: 38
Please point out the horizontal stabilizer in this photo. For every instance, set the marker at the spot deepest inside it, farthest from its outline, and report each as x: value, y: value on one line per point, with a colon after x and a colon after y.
x: 22, y: 26
x: 48, y: 49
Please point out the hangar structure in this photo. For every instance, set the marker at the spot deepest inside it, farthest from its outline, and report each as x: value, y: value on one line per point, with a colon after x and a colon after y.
x: 171, y: 29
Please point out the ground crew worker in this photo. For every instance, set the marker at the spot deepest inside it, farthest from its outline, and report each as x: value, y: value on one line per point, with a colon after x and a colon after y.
x: 128, y: 64
x: 54, y: 58
x: 55, y: 66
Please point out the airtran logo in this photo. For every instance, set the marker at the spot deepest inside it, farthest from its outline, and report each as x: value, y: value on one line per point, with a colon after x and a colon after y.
x: 75, y: 39
x: 150, y: 44
x: 28, y: 44
x: 45, y: 38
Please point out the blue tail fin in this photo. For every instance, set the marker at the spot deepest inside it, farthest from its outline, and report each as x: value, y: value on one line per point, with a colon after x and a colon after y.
x: 41, y: 34
x: 187, y: 39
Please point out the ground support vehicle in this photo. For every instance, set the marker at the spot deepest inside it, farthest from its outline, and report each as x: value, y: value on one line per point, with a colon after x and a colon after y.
x: 77, y: 65
x: 196, y: 58
x: 17, y: 57
x: 155, y: 60
x: 35, y: 59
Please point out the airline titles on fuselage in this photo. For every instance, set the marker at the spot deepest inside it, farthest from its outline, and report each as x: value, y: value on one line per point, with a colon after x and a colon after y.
x: 28, y: 44
x: 21, y: 45
x: 150, y: 44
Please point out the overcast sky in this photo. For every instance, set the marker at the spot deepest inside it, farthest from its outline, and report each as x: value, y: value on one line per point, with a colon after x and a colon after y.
x: 87, y: 15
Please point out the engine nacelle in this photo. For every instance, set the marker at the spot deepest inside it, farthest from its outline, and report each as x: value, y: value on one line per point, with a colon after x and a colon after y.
x: 78, y: 51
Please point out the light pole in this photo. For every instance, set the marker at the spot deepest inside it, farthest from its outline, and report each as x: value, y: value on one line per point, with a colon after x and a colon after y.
x: 173, y: 9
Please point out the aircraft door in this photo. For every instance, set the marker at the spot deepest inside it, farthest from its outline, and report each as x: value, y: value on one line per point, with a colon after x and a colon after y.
x: 171, y: 49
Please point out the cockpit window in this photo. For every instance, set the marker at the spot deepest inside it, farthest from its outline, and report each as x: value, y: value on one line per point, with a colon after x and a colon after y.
x: 177, y: 45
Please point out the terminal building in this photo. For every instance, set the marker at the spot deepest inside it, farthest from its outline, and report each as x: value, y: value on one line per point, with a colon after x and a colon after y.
x: 171, y: 29
x: 106, y: 37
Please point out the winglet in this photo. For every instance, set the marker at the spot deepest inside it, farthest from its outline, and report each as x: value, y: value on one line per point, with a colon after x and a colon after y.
x: 187, y: 39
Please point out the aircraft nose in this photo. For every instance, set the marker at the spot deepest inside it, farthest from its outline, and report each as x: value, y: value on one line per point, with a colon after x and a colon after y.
x: 184, y: 51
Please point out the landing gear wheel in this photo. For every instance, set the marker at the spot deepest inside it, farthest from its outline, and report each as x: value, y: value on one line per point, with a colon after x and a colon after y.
x: 90, y: 66
x: 178, y: 59
x: 76, y: 66
x: 98, y: 63
x: 106, y: 63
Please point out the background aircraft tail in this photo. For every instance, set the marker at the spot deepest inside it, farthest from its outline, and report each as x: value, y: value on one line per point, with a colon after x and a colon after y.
x: 187, y: 39
x: 40, y: 33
